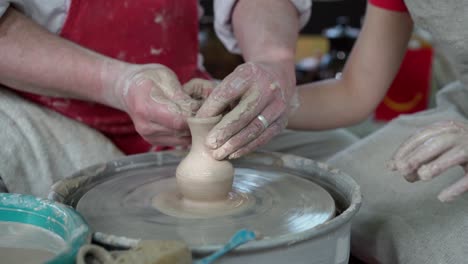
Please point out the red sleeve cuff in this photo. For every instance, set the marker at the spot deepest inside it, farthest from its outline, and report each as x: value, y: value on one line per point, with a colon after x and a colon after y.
x: 392, y: 5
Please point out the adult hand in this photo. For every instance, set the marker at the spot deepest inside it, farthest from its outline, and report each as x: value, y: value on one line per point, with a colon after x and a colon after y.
x: 155, y: 100
x: 433, y: 150
x: 199, y: 89
x: 262, y: 93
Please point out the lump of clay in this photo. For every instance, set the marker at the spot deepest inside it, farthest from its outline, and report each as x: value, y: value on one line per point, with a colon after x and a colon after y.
x: 146, y: 252
x: 200, y: 177
x: 156, y: 252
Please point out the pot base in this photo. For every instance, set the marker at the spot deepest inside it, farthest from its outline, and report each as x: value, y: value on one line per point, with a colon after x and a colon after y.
x: 173, y: 203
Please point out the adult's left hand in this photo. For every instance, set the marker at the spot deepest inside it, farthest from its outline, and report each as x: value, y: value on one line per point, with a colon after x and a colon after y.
x: 432, y: 151
x: 262, y: 95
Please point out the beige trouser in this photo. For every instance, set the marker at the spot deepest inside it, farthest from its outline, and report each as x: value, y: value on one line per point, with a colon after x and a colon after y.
x: 40, y: 146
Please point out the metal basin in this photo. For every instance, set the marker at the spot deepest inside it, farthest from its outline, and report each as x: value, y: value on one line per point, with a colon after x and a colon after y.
x: 326, y: 243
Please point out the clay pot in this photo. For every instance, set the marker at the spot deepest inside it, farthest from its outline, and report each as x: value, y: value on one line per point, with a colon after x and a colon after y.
x: 199, y: 176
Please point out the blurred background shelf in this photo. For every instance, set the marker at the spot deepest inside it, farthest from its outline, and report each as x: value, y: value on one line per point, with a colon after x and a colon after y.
x: 219, y: 62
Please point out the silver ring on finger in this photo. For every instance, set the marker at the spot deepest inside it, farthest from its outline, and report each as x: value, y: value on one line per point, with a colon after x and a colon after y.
x: 264, y: 121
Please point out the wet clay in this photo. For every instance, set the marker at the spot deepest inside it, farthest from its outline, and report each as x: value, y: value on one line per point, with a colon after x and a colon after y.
x: 201, y: 178
x: 204, y: 184
x: 24, y: 255
x: 147, y: 251
x: 172, y: 202
x: 25, y: 243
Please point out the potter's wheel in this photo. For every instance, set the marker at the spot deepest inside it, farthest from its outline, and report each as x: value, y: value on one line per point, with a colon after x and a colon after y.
x: 118, y: 199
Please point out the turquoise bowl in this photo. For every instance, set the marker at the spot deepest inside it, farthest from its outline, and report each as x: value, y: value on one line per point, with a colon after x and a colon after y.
x: 58, y: 218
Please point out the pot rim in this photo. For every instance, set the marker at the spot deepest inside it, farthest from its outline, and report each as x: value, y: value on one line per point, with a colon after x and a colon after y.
x: 204, y: 120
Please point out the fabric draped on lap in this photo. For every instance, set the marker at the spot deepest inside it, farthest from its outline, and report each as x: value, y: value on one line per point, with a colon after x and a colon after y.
x: 40, y: 146
x: 402, y: 222
x: 312, y: 145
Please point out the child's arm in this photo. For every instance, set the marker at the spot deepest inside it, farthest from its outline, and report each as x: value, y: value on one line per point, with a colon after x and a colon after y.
x: 369, y: 71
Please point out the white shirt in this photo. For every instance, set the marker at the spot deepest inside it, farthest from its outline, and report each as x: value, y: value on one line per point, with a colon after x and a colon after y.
x: 52, y: 14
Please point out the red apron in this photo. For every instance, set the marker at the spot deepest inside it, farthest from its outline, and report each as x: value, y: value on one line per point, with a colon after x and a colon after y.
x: 143, y: 31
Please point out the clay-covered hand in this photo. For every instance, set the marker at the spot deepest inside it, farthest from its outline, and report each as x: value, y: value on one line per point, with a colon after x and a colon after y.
x: 260, y: 88
x: 155, y: 100
x: 433, y: 150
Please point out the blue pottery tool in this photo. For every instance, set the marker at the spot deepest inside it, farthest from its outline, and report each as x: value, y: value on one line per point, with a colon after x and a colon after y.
x: 239, y: 238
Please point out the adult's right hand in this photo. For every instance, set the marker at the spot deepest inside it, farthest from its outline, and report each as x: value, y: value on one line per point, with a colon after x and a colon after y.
x: 255, y: 89
x: 155, y: 100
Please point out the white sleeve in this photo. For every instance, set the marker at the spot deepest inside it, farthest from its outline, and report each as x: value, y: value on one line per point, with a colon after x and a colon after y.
x: 223, y: 27
x: 50, y: 14
x: 4, y: 4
